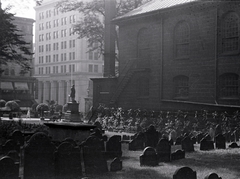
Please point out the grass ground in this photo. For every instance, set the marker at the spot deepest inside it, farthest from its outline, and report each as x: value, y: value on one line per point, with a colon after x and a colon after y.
x: 226, y: 163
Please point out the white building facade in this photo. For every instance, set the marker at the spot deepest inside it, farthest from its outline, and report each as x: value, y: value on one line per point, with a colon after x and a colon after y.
x: 61, y: 59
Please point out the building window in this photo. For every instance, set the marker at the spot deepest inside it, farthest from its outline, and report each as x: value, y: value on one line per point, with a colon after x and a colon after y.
x: 228, y: 85
x: 90, y: 68
x: 181, y: 86
x: 182, y: 35
x: 230, y: 34
x: 95, y: 68
x: 90, y: 55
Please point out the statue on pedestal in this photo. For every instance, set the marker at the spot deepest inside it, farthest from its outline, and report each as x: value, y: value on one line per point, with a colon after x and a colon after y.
x: 72, y: 94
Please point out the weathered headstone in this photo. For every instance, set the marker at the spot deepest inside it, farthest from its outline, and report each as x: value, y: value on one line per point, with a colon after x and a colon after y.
x: 8, y: 168
x: 187, y: 144
x: 39, y: 157
x: 18, y: 137
x: 93, y: 157
x: 116, y: 165
x: 151, y: 137
x: 68, y: 161
x: 206, y: 144
x: 163, y: 150
x: 185, y: 173
x: 233, y: 145
x: 212, y: 176
x: 137, y: 143
x: 10, y: 145
x: 178, y: 154
x: 114, y: 146
x: 149, y: 157
x: 220, y: 141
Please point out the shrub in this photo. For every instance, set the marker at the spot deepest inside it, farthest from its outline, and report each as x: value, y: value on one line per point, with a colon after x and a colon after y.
x: 58, y: 108
x: 41, y: 108
x: 12, y: 105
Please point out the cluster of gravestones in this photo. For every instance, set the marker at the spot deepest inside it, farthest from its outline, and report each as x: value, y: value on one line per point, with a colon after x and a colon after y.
x: 188, y: 173
x: 158, y: 149
x: 40, y: 157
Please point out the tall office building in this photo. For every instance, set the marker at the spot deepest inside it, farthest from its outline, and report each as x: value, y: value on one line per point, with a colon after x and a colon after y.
x: 61, y: 58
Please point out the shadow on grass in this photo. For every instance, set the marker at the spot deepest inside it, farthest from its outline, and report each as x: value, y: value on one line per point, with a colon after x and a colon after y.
x: 229, y: 159
x: 132, y: 173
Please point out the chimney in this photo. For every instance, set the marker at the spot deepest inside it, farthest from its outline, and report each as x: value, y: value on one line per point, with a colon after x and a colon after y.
x: 109, y: 38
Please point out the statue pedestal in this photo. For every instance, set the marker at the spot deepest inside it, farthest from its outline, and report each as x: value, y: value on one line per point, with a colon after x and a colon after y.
x: 72, y: 114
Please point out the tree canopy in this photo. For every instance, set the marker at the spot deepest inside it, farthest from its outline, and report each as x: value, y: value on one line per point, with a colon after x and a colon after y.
x: 91, y: 25
x: 13, y: 48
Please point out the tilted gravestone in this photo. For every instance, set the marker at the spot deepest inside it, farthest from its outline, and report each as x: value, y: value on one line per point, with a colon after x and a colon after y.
x: 185, y: 173
x: 163, y: 150
x: 187, y: 144
x: 114, y: 147
x: 8, y: 168
x: 212, y: 176
x: 149, y: 157
x: 137, y: 143
x: 39, y: 157
x: 178, y: 154
x: 116, y: 165
x: 220, y: 141
x: 68, y: 161
x: 151, y: 137
x: 93, y: 157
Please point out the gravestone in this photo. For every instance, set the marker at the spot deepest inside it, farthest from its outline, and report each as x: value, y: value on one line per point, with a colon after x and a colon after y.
x: 125, y: 137
x: 199, y: 137
x: 185, y: 173
x: 151, y: 137
x: 149, y: 157
x: 220, y: 141
x: 232, y: 137
x: 218, y: 130
x: 93, y: 157
x: 194, y: 139
x: 163, y: 150
x: 178, y: 154
x: 137, y: 143
x: 206, y: 144
x: 173, y: 135
x: 10, y: 145
x: 227, y: 136
x: 233, y: 145
x: 68, y: 161
x: 39, y: 157
x: 18, y: 137
x: 116, y: 165
x: 14, y: 155
x: 179, y: 140
x: 70, y: 140
x: 212, y: 176
x: 8, y: 168
x: 114, y: 146
x: 187, y: 144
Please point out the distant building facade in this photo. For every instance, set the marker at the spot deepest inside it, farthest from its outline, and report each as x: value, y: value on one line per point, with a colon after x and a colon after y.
x: 62, y: 59
x: 176, y: 54
x: 15, y: 85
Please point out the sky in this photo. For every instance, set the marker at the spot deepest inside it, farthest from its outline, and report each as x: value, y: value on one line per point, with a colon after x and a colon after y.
x: 22, y: 8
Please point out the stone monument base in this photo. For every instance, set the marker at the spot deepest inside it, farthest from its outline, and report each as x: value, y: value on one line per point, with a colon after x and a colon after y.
x: 72, y: 114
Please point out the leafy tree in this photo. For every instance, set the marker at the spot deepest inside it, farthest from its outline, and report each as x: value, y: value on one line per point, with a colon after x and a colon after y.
x: 91, y: 26
x: 13, y: 48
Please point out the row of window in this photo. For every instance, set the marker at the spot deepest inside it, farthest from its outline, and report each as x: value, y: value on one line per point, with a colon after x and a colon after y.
x: 55, y: 57
x: 72, y: 19
x: 228, y: 37
x: 72, y: 44
x: 227, y: 87
x: 48, y: 14
x: 56, y: 34
x: 63, y: 69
